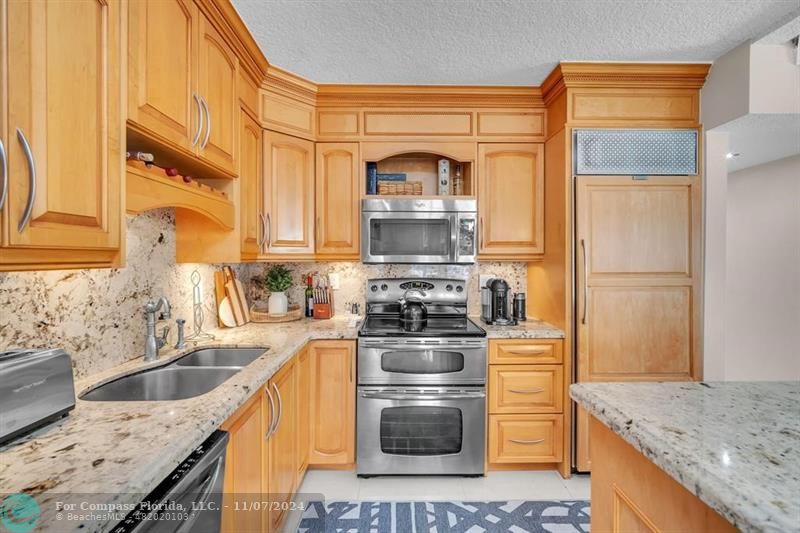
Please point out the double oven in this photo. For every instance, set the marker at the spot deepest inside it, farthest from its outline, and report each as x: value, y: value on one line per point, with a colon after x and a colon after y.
x: 421, y: 404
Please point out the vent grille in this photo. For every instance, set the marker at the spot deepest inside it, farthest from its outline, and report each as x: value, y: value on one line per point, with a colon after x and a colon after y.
x: 636, y: 152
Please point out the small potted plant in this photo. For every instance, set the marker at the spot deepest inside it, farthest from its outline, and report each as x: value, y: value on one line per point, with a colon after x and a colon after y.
x: 277, y: 280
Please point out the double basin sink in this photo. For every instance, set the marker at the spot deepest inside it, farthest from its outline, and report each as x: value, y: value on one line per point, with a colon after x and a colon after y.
x: 196, y: 373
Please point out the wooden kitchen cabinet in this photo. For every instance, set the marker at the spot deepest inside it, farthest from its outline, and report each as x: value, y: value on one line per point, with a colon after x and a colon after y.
x: 251, y: 187
x: 333, y: 413
x: 526, y: 393
x: 182, y: 85
x: 289, y: 196
x: 217, y: 77
x: 162, y: 70
x: 638, y: 283
x: 303, y: 410
x: 338, y: 201
x: 282, y: 454
x: 245, y: 468
x: 511, y: 201
x: 63, y: 134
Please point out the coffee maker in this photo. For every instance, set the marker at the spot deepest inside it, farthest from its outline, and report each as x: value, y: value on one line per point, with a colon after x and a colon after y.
x: 496, y: 303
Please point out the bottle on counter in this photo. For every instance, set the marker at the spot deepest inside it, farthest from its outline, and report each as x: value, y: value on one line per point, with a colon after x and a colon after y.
x: 309, y: 299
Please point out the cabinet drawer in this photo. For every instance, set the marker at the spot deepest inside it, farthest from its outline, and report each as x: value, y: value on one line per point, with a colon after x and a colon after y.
x: 526, y: 438
x: 525, y: 351
x: 526, y: 388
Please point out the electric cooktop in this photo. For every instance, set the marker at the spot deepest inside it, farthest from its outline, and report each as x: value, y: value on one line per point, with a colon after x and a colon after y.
x: 392, y: 326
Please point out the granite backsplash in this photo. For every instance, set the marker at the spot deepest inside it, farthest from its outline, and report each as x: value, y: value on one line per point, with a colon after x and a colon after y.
x: 96, y: 315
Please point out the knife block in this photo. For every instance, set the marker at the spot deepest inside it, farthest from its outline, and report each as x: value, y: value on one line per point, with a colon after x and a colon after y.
x: 324, y: 311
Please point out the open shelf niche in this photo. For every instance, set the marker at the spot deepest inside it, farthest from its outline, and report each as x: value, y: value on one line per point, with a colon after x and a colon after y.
x: 423, y: 167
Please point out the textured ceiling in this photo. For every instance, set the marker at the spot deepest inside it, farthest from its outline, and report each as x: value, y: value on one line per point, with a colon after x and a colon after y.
x: 493, y: 42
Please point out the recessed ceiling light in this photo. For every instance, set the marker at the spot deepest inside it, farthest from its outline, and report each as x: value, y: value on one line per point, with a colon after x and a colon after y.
x: 731, y: 155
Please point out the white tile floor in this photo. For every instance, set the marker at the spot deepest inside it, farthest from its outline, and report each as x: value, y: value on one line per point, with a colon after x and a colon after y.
x: 529, y: 485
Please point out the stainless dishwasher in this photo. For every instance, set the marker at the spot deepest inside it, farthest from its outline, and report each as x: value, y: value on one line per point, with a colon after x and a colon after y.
x: 191, y: 496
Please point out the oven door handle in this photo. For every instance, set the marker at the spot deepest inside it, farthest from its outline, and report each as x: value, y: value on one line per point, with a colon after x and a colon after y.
x: 459, y: 348
x: 425, y: 396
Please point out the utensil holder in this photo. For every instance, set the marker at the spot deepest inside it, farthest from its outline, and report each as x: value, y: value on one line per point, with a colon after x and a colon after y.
x: 323, y: 311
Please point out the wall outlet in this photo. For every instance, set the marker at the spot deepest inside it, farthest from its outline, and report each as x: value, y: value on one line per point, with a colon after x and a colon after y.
x: 483, y: 278
x: 335, y: 281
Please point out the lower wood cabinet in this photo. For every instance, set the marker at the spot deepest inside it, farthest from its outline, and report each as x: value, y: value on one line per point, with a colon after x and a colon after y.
x: 270, y: 444
x: 283, y: 450
x: 526, y: 398
x: 526, y: 438
x: 246, y: 468
x: 631, y: 494
x: 303, y: 410
x: 333, y: 409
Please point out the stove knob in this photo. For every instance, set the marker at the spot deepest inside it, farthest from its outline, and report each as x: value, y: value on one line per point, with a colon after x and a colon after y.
x: 449, y: 288
x: 459, y: 288
x: 384, y: 287
x: 374, y: 288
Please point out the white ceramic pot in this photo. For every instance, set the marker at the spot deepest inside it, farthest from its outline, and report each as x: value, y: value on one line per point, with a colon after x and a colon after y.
x: 278, y: 303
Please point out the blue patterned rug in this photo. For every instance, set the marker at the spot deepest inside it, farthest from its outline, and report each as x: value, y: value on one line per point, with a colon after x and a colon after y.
x: 446, y: 517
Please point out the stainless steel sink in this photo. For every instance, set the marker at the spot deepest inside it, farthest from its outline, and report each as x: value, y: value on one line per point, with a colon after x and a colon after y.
x: 159, y: 384
x: 217, y: 357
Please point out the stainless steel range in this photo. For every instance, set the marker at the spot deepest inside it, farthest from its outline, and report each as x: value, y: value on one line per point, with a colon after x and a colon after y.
x: 421, y: 380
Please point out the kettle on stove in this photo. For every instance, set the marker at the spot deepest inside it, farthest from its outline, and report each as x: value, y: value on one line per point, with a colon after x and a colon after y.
x: 496, y: 303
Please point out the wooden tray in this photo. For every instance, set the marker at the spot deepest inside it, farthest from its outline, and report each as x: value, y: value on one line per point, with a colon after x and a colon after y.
x: 258, y: 313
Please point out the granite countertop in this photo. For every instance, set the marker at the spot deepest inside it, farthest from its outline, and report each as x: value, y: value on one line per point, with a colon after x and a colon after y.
x: 117, y: 452
x: 533, y: 328
x: 736, y: 446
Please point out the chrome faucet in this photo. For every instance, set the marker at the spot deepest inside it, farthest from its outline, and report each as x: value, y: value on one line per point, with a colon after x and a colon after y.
x: 152, y: 343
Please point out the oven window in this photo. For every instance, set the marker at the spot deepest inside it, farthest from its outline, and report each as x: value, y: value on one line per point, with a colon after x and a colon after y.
x: 399, y: 236
x: 421, y: 430
x: 422, y: 362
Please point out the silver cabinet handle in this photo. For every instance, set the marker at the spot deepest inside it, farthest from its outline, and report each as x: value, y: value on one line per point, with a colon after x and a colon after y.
x: 522, y: 441
x: 199, y: 119
x: 4, y: 169
x: 280, y: 407
x: 585, y: 283
x: 208, y: 125
x: 26, y: 215
x: 529, y: 352
x: 526, y: 391
x: 263, y: 237
x: 270, y: 427
x: 269, y: 231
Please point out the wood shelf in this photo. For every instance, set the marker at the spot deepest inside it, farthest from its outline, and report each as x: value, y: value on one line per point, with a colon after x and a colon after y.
x: 147, y: 189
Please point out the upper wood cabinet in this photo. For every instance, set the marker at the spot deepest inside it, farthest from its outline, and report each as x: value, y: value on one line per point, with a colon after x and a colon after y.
x: 217, y: 75
x: 251, y: 187
x: 162, y: 70
x: 338, y: 201
x: 182, y: 82
x: 63, y: 135
x: 511, y: 201
x: 289, y: 195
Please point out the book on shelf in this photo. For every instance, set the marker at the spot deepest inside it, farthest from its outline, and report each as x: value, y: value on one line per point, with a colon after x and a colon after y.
x: 372, y: 178
x: 396, y: 176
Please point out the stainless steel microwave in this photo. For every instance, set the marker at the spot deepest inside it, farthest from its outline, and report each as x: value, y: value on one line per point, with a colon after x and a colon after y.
x: 421, y: 230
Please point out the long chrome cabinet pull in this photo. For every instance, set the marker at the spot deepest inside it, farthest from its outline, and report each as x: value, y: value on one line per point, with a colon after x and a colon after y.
x: 270, y: 427
x: 26, y: 216
x: 522, y: 441
x: 529, y: 352
x: 585, y: 283
x: 526, y: 391
x: 269, y: 231
x: 199, y: 119
x: 263, y: 238
x: 4, y: 169
x: 280, y: 407
x: 208, y: 123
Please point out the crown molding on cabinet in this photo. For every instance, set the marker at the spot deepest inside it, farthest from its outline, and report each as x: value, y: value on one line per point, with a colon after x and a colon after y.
x: 440, y: 96
x: 623, y: 75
